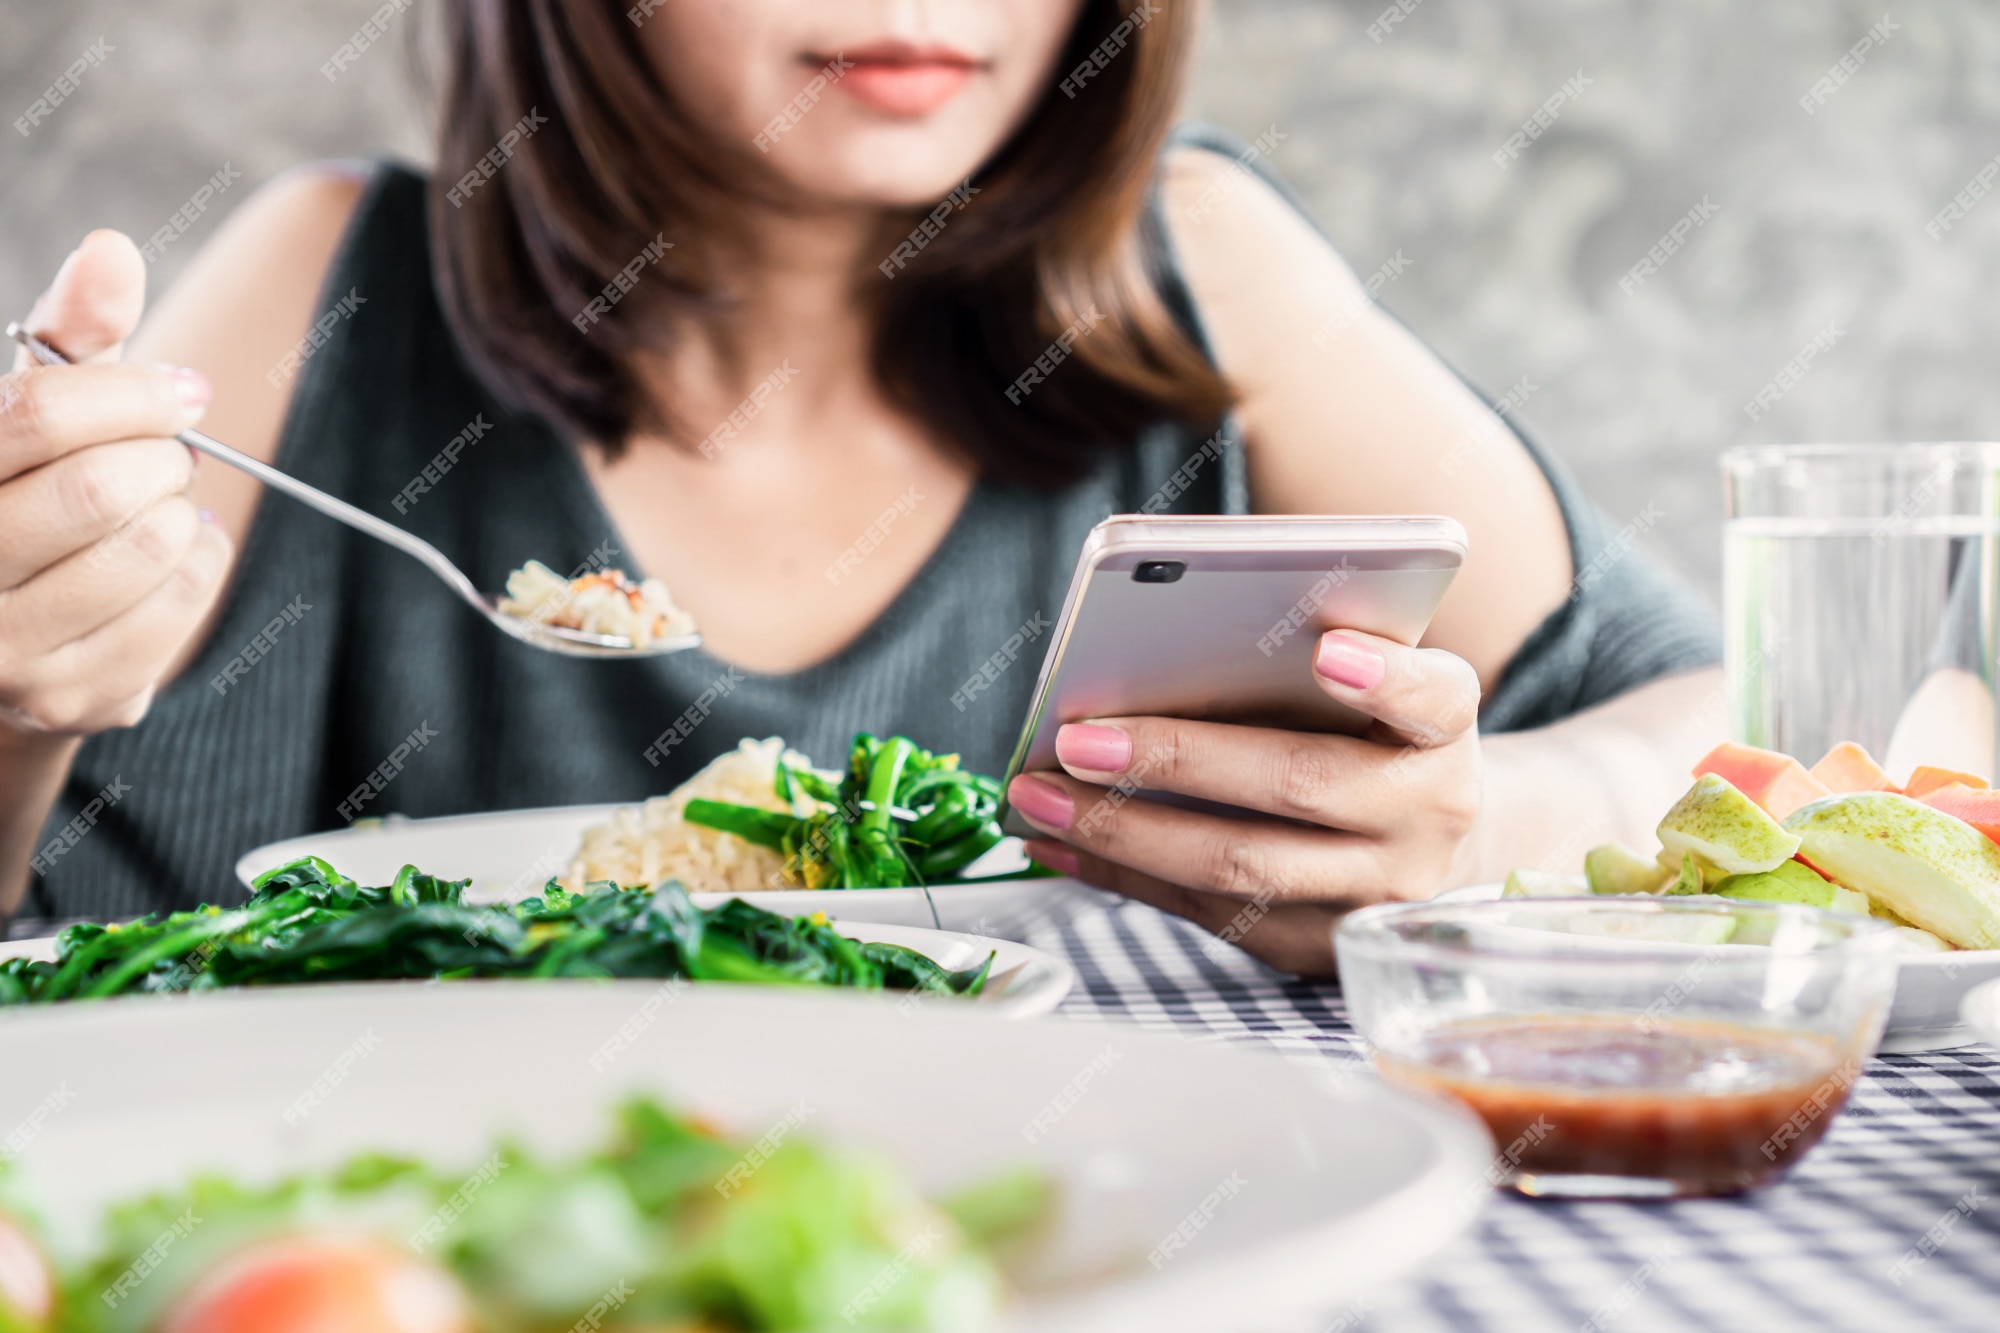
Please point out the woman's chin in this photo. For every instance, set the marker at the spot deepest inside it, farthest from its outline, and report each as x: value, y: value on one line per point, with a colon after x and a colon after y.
x: 906, y: 164
x: 880, y: 189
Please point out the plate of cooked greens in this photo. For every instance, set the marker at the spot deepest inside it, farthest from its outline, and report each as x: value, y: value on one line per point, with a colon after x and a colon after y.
x: 459, y: 1159
x: 761, y: 823
x: 307, y: 923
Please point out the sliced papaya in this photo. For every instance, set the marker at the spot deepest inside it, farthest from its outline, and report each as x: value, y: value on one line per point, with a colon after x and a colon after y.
x: 1847, y: 768
x: 1977, y: 806
x: 1926, y: 780
x: 1777, y: 782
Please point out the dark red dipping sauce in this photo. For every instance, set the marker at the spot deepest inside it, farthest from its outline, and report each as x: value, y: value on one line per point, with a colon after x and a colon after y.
x: 1707, y: 1107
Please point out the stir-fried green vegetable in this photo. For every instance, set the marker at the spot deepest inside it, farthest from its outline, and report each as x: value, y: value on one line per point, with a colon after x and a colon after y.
x: 898, y: 816
x: 307, y: 922
x: 672, y: 1225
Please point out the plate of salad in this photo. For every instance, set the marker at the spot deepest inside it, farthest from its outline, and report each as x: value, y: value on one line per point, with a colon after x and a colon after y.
x: 760, y: 823
x: 1843, y: 835
x: 307, y: 923
x: 441, y: 1160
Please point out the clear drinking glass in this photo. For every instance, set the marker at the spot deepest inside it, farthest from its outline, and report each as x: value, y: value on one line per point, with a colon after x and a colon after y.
x: 1858, y: 588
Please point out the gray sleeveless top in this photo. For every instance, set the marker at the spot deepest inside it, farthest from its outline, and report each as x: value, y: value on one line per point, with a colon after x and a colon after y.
x: 339, y: 665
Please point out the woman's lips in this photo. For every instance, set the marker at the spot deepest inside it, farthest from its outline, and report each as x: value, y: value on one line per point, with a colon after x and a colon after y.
x: 905, y: 90
x: 905, y: 81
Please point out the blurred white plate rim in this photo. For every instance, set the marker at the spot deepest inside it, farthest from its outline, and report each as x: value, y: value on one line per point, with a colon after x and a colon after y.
x: 1202, y: 1187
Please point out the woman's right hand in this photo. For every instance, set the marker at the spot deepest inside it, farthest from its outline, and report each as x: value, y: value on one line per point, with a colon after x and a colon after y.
x: 107, y: 569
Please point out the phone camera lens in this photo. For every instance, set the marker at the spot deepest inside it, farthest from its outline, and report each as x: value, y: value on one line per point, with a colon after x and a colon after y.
x: 1159, y: 571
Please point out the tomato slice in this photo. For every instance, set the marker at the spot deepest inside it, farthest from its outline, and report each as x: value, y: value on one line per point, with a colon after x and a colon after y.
x: 27, y: 1289
x: 322, y: 1284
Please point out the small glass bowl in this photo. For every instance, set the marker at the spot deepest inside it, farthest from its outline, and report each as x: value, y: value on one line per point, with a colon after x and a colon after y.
x: 1625, y: 1047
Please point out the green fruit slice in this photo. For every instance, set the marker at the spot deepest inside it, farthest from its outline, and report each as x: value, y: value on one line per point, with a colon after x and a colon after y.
x: 1673, y: 864
x: 1693, y: 875
x: 1525, y: 883
x: 1616, y: 868
x: 1792, y: 882
x: 1726, y: 829
x: 1930, y: 869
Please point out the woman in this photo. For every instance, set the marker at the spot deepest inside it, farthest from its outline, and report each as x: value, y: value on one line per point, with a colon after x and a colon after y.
x: 735, y: 296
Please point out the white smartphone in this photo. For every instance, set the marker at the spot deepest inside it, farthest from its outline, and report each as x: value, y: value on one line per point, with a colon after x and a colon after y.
x: 1216, y: 617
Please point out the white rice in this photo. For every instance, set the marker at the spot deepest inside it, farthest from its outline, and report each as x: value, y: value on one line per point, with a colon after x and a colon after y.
x: 602, y: 602
x: 646, y: 844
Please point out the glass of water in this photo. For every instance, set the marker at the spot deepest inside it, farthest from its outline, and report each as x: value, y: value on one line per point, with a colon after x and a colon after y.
x: 1858, y: 585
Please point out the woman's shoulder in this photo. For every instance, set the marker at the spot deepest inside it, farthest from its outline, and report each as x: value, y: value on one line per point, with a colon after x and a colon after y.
x: 1259, y: 270
x: 252, y: 291
x: 245, y: 300
x: 1345, y: 411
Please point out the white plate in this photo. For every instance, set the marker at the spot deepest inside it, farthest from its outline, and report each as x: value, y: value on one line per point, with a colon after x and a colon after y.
x: 1025, y: 981
x: 1981, y: 1011
x: 1337, y: 1187
x: 1929, y: 988
x: 510, y: 854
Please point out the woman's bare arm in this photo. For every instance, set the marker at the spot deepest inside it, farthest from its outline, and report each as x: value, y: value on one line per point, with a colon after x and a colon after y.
x: 246, y: 298
x: 1610, y: 772
x: 1345, y: 412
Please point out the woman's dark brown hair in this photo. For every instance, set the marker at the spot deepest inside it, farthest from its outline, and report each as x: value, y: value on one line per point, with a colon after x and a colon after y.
x: 1052, y: 238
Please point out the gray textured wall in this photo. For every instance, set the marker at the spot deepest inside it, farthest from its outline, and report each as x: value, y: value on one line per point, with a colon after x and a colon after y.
x: 1514, y: 274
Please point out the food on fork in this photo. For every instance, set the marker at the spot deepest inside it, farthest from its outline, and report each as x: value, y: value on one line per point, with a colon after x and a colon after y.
x: 1758, y: 826
x: 601, y: 602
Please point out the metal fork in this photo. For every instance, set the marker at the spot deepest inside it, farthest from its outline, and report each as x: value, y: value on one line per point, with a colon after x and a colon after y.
x: 553, y: 638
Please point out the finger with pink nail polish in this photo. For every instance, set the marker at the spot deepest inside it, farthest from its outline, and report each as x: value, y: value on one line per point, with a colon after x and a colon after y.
x: 1055, y: 856
x: 1092, y: 748
x: 1041, y: 803
x: 1349, y: 662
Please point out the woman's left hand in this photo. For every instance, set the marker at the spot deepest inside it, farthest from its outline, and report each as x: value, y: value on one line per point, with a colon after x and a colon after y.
x: 1342, y: 821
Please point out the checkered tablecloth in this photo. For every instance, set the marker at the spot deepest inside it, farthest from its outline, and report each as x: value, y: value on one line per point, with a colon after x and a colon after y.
x: 1891, y: 1223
